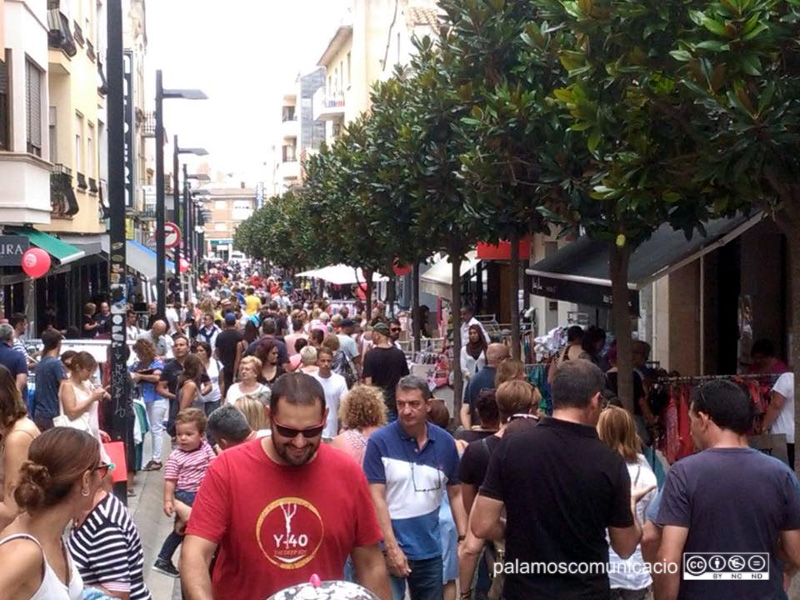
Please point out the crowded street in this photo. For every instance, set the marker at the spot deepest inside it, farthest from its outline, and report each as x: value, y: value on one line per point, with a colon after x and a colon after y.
x: 399, y: 300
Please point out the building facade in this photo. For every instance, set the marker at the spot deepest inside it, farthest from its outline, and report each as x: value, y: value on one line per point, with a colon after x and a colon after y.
x: 225, y: 208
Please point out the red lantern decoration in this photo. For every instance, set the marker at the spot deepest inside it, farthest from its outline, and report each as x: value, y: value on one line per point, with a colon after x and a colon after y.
x: 36, y: 262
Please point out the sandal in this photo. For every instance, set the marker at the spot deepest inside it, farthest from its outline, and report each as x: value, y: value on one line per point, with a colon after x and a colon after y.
x: 153, y: 465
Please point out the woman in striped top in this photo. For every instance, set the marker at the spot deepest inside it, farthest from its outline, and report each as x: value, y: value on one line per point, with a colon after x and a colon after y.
x: 107, y: 550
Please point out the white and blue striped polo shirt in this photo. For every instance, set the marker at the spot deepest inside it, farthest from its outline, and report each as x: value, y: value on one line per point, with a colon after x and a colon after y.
x: 415, y: 481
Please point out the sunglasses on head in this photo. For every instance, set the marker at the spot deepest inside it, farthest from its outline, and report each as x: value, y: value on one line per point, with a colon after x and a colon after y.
x: 288, y: 432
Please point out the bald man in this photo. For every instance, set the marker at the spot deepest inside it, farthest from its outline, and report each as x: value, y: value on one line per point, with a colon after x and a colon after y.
x: 483, y: 379
x: 156, y: 336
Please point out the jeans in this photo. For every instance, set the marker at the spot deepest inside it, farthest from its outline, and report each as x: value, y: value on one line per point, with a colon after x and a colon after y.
x: 174, y: 539
x: 424, y: 583
x: 156, y: 413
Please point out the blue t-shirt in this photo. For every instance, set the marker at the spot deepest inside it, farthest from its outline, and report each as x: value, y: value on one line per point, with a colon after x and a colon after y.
x: 483, y: 380
x: 415, y: 482
x: 732, y: 500
x: 50, y: 373
x: 148, y: 389
x: 15, y: 362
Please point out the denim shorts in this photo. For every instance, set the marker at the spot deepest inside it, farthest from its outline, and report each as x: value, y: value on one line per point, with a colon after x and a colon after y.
x: 185, y: 497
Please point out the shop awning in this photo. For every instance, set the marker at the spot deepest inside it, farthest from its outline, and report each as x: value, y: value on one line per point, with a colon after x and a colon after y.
x: 90, y: 244
x: 341, y: 275
x: 143, y: 260
x: 579, y: 271
x: 61, y: 251
x: 438, y: 279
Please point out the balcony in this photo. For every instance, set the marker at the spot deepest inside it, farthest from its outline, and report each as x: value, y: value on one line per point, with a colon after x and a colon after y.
x: 78, y: 33
x: 289, y: 169
x: 82, y: 182
x: 290, y: 128
x: 25, y: 189
x: 90, y: 51
x: 59, y: 35
x: 330, y: 108
x: 93, y: 186
x: 149, y: 124
x: 63, y: 203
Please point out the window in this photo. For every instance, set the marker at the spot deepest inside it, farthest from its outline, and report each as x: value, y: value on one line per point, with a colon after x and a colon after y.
x: 220, y: 205
x: 341, y: 75
x: 79, y: 142
x: 51, y: 125
x: 289, y: 154
x: 330, y: 90
x: 91, y: 159
x: 336, y: 79
x: 5, y: 102
x: 220, y: 227
x: 33, y: 107
x: 348, y: 71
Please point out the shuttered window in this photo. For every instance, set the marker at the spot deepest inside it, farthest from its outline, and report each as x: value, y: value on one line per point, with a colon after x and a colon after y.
x: 5, y: 103
x: 33, y: 107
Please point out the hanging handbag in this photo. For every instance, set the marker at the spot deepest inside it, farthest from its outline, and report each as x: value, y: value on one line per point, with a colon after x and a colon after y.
x: 82, y: 423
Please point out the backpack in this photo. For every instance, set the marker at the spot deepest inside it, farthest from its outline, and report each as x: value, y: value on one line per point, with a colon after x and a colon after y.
x: 342, y: 366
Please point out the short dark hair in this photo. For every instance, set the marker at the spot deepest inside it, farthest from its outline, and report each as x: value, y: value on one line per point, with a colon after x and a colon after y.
x: 269, y: 327
x: 181, y: 336
x: 575, y: 333
x: 764, y: 348
x: 486, y: 406
x: 51, y: 339
x: 299, y: 344
x: 725, y: 403
x: 575, y: 383
x: 17, y: 318
x: 229, y: 423
x: 297, y: 389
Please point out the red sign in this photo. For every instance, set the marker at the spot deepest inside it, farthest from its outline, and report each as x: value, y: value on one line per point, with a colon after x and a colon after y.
x: 172, y: 235
x: 503, y: 250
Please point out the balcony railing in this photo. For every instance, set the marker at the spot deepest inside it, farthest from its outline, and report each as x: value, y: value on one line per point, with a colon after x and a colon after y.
x: 78, y: 33
x: 58, y: 31
x: 149, y: 124
x: 330, y: 108
x: 93, y: 186
x: 63, y: 202
x: 82, y: 182
x: 90, y: 51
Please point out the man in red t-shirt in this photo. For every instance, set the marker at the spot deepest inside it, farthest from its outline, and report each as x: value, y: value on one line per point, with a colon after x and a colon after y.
x: 281, y: 509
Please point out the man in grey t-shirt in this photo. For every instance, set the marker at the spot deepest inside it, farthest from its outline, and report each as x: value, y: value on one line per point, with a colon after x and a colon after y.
x: 726, y: 501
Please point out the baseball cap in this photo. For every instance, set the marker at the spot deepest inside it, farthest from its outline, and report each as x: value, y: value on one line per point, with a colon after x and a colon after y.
x: 230, y: 319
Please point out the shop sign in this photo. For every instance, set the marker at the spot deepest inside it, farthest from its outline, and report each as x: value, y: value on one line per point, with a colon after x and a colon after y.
x: 12, y: 247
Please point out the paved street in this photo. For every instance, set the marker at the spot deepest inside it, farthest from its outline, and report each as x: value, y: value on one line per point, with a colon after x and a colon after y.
x: 154, y: 526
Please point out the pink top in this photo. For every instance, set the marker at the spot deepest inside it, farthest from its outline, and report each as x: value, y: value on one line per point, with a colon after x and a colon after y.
x: 189, y: 468
x: 356, y: 445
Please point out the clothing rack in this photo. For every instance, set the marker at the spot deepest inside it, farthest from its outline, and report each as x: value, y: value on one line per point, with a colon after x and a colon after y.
x: 703, y: 378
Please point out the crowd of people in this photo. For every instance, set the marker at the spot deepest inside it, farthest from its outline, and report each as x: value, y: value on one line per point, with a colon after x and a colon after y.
x: 295, y: 443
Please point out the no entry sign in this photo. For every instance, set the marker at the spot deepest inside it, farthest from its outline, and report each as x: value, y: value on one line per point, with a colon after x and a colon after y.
x: 172, y: 235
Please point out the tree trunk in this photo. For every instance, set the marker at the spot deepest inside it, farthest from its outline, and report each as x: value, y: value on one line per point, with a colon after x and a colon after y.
x: 621, y: 316
x: 455, y: 307
x: 514, y: 289
x: 415, y: 309
x: 368, y: 277
x: 794, y: 253
x: 391, y: 294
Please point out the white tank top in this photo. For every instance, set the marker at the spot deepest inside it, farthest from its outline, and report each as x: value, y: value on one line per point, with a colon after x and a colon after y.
x: 51, y: 587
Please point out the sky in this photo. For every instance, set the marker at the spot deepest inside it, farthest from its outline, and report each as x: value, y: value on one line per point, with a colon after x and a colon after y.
x: 244, y: 54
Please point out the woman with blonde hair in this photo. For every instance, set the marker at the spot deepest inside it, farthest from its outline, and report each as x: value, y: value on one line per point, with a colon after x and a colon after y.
x: 254, y: 411
x: 17, y: 432
x: 248, y: 384
x: 362, y: 412
x: 629, y: 578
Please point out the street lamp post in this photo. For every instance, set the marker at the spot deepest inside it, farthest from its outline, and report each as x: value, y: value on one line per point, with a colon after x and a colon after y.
x: 161, y: 251
x: 189, y: 220
x: 176, y: 198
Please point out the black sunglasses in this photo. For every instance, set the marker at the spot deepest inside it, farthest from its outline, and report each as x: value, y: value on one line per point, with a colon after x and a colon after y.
x: 288, y: 432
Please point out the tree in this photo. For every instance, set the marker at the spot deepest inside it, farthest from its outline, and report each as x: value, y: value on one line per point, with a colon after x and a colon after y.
x: 641, y: 151
x: 741, y: 64
x: 432, y: 147
x: 509, y: 66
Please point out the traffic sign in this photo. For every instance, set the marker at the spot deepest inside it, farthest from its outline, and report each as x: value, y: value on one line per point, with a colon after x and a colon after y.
x: 172, y: 235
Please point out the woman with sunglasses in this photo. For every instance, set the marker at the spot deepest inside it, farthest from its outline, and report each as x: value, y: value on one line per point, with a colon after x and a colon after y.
x: 17, y: 432
x: 56, y: 487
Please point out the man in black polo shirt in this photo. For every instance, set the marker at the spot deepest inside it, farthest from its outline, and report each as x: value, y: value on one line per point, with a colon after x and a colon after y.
x: 562, y: 488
